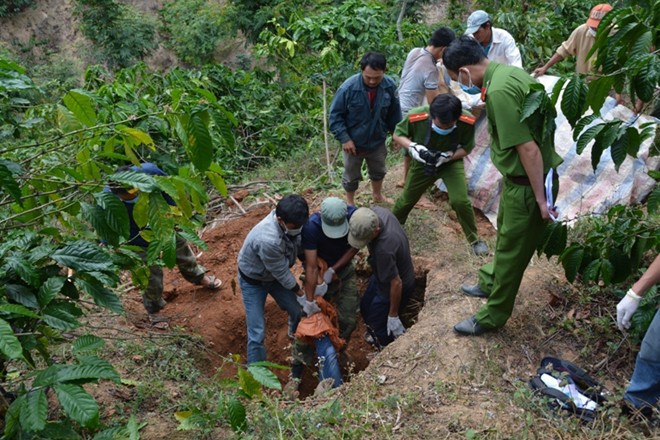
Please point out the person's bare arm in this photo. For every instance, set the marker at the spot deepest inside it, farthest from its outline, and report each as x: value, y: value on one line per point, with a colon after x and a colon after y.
x: 553, y: 60
x: 396, y: 287
x: 311, y: 273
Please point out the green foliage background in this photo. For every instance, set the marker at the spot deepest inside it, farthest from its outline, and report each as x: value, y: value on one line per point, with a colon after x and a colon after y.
x: 206, y: 126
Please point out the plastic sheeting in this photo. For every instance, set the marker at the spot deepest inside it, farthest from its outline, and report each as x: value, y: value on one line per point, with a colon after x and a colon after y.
x: 581, y: 190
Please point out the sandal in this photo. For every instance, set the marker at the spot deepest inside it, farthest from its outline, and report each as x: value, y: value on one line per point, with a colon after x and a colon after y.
x: 214, y: 283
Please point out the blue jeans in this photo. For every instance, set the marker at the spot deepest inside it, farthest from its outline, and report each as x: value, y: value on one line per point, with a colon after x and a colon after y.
x: 644, y: 388
x: 328, y: 362
x: 254, y: 300
x: 375, y: 308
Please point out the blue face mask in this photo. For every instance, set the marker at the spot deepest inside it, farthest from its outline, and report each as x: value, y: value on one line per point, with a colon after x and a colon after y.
x: 471, y: 89
x: 443, y: 131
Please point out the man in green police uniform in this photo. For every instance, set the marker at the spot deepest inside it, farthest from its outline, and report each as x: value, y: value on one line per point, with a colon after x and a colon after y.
x: 438, y: 137
x: 516, y: 151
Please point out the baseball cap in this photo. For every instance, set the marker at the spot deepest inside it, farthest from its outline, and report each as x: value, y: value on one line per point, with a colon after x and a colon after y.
x: 597, y: 13
x: 476, y: 19
x: 363, y: 224
x: 333, y: 217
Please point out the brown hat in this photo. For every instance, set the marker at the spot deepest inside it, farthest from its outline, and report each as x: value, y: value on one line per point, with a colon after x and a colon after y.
x: 363, y: 224
x: 597, y: 13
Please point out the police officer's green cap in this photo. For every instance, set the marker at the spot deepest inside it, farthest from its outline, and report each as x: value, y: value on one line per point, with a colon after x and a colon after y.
x: 363, y: 225
x: 333, y: 217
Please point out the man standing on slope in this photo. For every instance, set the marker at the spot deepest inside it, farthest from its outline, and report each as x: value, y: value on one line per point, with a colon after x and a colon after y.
x: 364, y: 109
x: 497, y: 44
x: 519, y: 155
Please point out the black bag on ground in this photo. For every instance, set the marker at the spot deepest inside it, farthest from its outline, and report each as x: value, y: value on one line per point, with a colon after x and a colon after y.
x: 570, y: 388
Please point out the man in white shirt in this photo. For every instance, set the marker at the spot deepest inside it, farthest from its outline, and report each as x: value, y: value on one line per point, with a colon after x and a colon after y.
x: 498, y: 44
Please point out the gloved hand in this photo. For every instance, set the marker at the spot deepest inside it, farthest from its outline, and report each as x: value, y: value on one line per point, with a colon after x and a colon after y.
x: 626, y: 309
x: 395, y: 326
x: 310, y: 308
x: 321, y: 289
x: 445, y: 157
x: 301, y: 299
x: 328, y: 274
x: 414, y: 150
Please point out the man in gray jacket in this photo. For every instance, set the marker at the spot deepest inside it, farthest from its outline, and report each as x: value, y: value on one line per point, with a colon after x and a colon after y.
x: 269, y: 251
x: 365, y: 108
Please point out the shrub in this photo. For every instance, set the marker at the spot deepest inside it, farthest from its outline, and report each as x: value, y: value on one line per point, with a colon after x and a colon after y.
x: 123, y: 35
x: 9, y: 7
x: 193, y: 29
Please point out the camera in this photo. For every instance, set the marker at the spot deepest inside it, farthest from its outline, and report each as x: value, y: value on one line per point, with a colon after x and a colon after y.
x: 431, y: 158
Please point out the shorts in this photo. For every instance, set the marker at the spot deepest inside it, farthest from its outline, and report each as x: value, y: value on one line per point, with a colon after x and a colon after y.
x: 353, y: 167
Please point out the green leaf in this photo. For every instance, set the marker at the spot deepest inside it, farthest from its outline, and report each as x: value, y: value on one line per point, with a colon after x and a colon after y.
x: 248, y: 384
x: 18, y: 309
x: 82, y: 106
x: 12, y: 417
x: 200, y: 143
x: 22, y: 295
x: 591, y: 272
x: 102, y: 296
x: 557, y: 240
x: 7, y: 181
x: 66, y: 120
x: 10, y: 346
x: 573, y: 100
x: 556, y: 90
x: 583, y: 123
x: 135, y: 179
x: 571, y: 260
x: 83, y: 256
x: 77, y: 404
x: 138, y: 136
x: 634, y: 141
x: 654, y: 200
x: 645, y: 82
x: 49, y: 290
x: 169, y: 250
x: 599, y: 89
x: 218, y: 182
x: 606, y: 271
x: 588, y: 136
x: 619, y: 150
x: 34, y: 412
x: 58, y: 318
x: 115, y: 213
x: 237, y: 418
x: 225, y: 123
x: 531, y: 104
x: 265, y: 377
x: 87, y: 343
x: 604, y: 140
x: 24, y: 269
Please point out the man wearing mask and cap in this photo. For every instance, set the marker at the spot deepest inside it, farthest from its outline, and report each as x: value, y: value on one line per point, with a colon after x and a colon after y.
x: 393, y: 279
x: 579, y: 44
x: 438, y: 137
x: 498, y: 45
x: 264, y: 261
x: 325, y: 236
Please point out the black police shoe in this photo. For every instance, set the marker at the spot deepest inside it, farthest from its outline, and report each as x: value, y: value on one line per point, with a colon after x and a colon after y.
x: 474, y: 290
x: 470, y: 327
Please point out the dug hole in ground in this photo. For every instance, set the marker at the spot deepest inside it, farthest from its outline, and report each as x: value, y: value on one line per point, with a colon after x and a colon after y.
x: 453, y: 383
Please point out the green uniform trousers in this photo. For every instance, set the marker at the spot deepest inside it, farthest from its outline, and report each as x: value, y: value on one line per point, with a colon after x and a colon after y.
x: 519, y: 230
x: 187, y: 264
x: 344, y: 295
x: 453, y: 175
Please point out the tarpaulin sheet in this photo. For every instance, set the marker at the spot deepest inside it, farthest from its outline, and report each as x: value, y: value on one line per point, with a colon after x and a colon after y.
x: 581, y: 189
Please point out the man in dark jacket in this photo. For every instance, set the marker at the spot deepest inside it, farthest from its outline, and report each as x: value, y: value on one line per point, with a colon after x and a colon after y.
x: 365, y: 108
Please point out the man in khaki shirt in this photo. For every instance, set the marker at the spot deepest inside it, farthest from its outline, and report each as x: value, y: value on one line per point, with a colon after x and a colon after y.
x: 579, y: 43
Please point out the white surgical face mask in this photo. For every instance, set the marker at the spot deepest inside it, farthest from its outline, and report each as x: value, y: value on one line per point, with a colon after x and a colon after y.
x: 293, y: 232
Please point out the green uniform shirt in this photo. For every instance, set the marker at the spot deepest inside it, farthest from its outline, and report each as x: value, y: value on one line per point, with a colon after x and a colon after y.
x: 505, y: 91
x: 416, y: 126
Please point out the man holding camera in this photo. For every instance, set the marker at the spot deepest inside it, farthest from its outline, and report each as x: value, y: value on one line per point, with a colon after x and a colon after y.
x: 438, y: 137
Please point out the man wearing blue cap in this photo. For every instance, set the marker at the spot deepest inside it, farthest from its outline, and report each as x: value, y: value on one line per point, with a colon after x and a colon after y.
x: 498, y: 45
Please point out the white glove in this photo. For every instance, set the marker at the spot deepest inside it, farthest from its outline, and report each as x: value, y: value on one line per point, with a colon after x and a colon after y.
x: 445, y: 157
x: 414, y: 150
x: 626, y: 309
x: 310, y: 308
x: 321, y: 289
x: 328, y: 274
x: 395, y: 326
x: 301, y: 300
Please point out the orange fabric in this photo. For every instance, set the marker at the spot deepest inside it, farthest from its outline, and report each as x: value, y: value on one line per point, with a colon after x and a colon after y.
x: 321, y: 324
